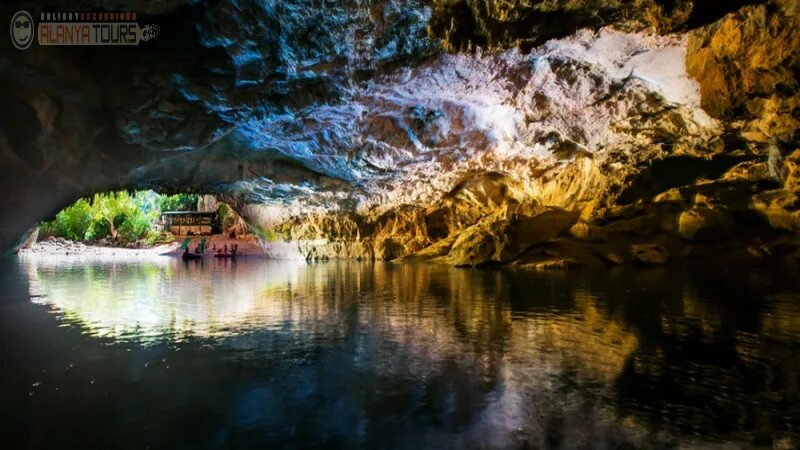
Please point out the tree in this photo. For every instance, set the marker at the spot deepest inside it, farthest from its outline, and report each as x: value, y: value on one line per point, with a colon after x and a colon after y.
x: 71, y: 222
x: 178, y: 202
x: 112, y: 208
x: 140, y: 215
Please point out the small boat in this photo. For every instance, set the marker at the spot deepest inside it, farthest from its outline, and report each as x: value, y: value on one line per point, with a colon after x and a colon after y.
x: 187, y: 256
x: 225, y: 255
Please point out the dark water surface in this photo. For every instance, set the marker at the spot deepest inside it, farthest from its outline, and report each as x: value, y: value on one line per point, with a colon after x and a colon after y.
x: 161, y: 354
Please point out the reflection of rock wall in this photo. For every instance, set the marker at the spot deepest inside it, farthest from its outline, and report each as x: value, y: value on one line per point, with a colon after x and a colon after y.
x: 158, y: 297
x: 508, y: 357
x: 450, y: 333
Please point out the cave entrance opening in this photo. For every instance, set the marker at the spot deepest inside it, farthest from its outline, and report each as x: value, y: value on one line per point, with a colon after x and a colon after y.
x: 141, y: 220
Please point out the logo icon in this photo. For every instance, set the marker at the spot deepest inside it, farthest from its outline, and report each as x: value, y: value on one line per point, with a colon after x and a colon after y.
x: 21, y: 30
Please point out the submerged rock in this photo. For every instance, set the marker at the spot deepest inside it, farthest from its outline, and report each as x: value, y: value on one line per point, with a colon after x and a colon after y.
x: 554, y: 264
x: 649, y: 254
x: 705, y: 224
x: 611, y: 258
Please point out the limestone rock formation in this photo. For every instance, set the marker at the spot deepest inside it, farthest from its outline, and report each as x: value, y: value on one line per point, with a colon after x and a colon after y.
x: 747, y: 65
x: 471, y: 132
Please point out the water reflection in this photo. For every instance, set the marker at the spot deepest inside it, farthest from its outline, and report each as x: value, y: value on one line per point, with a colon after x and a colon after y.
x: 159, y: 298
x: 407, y: 356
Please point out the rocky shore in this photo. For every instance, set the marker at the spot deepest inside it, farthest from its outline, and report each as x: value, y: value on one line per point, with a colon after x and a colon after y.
x: 64, y: 247
x: 248, y: 246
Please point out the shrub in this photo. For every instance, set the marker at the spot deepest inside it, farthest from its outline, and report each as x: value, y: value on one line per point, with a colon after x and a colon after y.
x: 269, y: 234
x: 135, y: 226
x: 225, y: 216
x: 154, y: 237
x: 71, y: 222
x: 98, y: 230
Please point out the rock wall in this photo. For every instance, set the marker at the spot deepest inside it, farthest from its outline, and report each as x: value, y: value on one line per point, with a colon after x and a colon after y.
x: 471, y: 132
x: 747, y: 65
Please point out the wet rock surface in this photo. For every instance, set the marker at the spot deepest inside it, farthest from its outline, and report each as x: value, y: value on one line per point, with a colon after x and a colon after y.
x: 472, y: 132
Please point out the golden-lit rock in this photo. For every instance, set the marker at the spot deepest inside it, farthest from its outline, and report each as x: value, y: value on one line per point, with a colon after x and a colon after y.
x: 585, y: 231
x: 704, y: 224
x: 506, y: 234
x: 781, y: 206
x: 746, y: 65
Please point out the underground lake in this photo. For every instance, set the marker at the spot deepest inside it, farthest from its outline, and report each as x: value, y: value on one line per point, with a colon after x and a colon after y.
x: 160, y: 353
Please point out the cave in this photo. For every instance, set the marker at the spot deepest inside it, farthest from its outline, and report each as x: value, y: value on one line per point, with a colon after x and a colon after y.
x: 400, y: 224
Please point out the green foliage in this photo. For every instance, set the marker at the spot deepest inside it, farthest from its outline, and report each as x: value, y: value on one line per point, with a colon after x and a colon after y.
x: 178, y: 202
x: 135, y: 226
x: 154, y: 237
x: 98, y: 230
x: 71, y: 222
x: 121, y: 215
x: 139, y: 220
x: 270, y: 234
x: 112, y: 208
x: 226, y: 216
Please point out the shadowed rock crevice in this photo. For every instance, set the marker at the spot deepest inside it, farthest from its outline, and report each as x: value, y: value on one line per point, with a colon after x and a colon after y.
x: 675, y: 171
x: 490, y: 24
